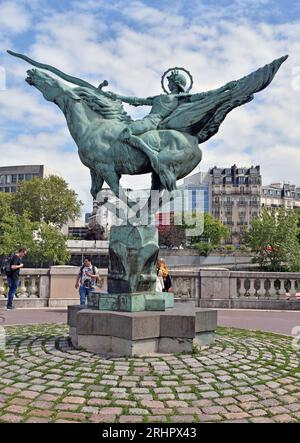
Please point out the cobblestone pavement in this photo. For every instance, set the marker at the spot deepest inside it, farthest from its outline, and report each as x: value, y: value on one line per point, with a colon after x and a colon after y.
x: 243, y: 377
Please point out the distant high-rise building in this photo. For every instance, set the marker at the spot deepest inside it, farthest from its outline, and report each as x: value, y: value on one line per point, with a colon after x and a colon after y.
x: 11, y: 176
x: 199, y: 192
x: 280, y: 195
x: 236, y: 197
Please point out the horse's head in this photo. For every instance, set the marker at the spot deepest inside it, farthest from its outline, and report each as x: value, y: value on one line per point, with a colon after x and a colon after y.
x: 44, y: 83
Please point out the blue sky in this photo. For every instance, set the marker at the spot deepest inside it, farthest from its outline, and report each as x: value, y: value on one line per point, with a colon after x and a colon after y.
x: 131, y: 43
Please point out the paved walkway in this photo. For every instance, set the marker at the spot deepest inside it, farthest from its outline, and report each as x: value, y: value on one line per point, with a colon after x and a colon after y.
x: 243, y: 377
x: 281, y: 322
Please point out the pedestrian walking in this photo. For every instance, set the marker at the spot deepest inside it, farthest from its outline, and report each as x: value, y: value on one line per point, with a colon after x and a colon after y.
x: 86, y: 279
x: 13, y: 274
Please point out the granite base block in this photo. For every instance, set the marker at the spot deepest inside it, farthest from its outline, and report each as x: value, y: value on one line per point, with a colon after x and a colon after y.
x: 139, y: 333
x: 132, y: 302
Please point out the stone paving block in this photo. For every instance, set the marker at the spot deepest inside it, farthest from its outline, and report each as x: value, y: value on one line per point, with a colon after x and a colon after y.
x: 138, y: 411
x: 102, y: 418
x: 98, y: 402
x: 20, y: 401
x: 41, y: 413
x: 211, y: 410
x: 236, y: 415
x: 176, y: 404
x: 77, y: 400
x: 158, y: 419
x: 32, y: 419
x: 225, y: 400
x: 131, y: 418
x: 261, y: 420
x: 283, y: 418
x: 182, y: 419
x: 66, y: 407
x: 130, y: 403
x: 11, y: 418
x: 258, y: 412
x: 71, y: 416
x: 16, y: 409
x: 209, y: 394
x: 110, y: 411
x: 294, y: 407
x: 42, y: 404
x: 209, y: 418
x: 152, y: 404
x: 166, y: 396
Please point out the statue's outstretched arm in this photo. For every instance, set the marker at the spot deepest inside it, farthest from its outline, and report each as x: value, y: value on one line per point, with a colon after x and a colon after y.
x: 202, y: 95
x: 135, y: 101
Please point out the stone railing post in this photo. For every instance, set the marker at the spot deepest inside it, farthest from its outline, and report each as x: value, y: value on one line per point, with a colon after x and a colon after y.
x: 282, y: 290
x: 272, y: 290
x: 22, y: 290
x: 44, y: 286
x: 215, y: 283
x: 293, y: 290
x: 33, y: 290
x: 2, y: 287
x: 185, y: 283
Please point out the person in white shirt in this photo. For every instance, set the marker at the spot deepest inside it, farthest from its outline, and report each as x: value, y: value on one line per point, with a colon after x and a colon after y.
x: 86, y: 279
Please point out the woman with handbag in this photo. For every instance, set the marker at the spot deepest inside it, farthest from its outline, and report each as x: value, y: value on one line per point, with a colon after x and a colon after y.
x: 162, y: 269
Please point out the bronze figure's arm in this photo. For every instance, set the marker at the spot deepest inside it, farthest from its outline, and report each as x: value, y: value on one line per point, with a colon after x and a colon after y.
x: 228, y: 87
x: 134, y: 101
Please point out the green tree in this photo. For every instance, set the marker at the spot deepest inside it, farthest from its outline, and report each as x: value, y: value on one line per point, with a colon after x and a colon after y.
x: 51, y: 245
x: 5, y: 204
x: 45, y: 243
x: 297, y: 212
x: 213, y: 231
x: 273, y: 239
x: 16, y: 231
x: 47, y: 200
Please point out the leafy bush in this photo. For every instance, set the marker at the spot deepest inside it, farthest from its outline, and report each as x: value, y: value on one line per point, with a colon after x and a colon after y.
x: 204, y: 248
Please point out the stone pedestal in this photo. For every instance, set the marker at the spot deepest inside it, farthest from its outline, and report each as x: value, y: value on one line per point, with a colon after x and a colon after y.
x: 180, y: 329
x: 133, y: 252
x: 135, y: 302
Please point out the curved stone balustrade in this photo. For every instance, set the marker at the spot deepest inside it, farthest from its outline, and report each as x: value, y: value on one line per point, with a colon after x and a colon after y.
x: 207, y: 287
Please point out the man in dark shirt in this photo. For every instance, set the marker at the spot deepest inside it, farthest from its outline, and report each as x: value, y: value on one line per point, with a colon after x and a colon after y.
x: 13, y: 275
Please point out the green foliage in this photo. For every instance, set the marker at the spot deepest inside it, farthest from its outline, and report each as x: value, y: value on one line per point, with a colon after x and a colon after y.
x: 229, y: 248
x: 51, y: 246
x: 213, y: 231
x: 297, y: 212
x: 16, y: 231
x: 5, y: 203
x: 45, y: 243
x: 47, y: 200
x: 204, y: 248
x: 273, y: 239
x: 244, y: 248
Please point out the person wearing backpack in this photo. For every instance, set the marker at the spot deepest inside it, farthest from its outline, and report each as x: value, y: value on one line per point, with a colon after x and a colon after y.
x: 13, y: 273
x: 86, y: 279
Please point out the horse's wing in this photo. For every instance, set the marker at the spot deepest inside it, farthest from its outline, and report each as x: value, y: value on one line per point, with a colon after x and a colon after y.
x: 203, y: 117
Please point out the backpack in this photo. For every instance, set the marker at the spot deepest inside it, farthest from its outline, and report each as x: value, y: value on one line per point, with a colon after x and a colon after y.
x: 6, y: 266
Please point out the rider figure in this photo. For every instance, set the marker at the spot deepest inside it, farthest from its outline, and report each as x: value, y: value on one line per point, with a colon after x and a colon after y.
x: 162, y: 106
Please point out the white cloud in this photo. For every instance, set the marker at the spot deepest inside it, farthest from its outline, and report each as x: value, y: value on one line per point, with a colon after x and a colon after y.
x: 26, y: 106
x: 14, y: 18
